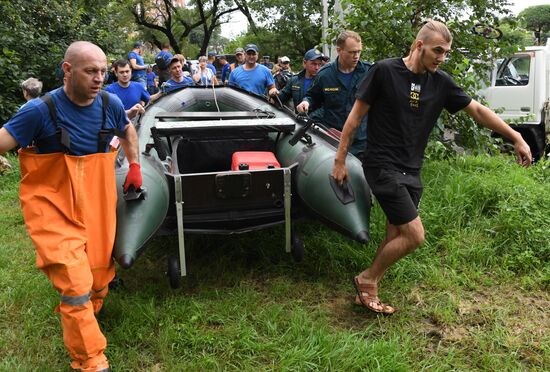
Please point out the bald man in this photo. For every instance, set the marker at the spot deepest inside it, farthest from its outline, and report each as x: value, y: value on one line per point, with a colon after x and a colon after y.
x: 68, y: 192
x: 404, y: 98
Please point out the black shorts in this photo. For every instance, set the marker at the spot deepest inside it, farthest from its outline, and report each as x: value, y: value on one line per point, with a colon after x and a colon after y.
x: 398, y: 193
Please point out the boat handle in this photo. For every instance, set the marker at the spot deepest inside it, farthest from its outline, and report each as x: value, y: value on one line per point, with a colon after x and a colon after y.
x: 135, y: 194
x: 344, y: 193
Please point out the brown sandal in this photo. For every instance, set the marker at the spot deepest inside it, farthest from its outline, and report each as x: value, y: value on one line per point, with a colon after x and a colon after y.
x: 367, y: 294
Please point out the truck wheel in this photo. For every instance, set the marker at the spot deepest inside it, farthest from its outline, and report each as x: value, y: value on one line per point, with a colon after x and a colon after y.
x: 174, y: 272
x: 297, y: 249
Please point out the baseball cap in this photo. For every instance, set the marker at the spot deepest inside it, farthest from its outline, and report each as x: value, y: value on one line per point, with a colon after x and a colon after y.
x: 221, y: 56
x: 285, y: 59
x: 173, y: 60
x: 313, y: 54
x: 138, y: 44
x: 211, y: 54
x: 249, y: 47
x: 239, y: 51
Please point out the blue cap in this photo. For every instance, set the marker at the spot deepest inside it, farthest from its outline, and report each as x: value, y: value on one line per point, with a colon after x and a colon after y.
x: 313, y: 54
x: 211, y: 54
x: 138, y: 44
x: 251, y: 47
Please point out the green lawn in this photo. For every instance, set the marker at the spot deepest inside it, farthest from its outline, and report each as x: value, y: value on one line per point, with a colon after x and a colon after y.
x: 474, y: 297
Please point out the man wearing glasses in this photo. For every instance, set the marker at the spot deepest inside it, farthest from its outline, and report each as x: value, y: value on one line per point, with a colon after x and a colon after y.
x: 251, y: 76
x: 335, y: 87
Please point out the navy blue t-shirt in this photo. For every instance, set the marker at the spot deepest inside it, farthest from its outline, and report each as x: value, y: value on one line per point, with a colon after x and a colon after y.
x: 33, y: 123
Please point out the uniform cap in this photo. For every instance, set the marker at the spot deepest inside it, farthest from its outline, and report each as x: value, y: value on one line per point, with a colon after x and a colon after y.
x: 313, y: 54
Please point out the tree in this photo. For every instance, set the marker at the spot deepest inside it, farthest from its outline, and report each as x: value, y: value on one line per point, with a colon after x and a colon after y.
x: 36, y: 33
x: 178, y: 23
x: 389, y: 27
x: 537, y: 19
x: 281, y: 27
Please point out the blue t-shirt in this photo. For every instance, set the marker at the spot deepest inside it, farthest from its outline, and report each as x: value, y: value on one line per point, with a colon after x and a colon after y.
x: 307, y: 84
x: 211, y: 67
x: 139, y: 62
x: 171, y: 85
x: 151, y: 79
x: 225, y: 72
x: 346, y: 77
x: 83, y: 123
x: 256, y: 80
x: 134, y: 93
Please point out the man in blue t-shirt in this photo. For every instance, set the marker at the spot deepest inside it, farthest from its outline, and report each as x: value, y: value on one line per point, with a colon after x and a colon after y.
x: 178, y: 78
x: 162, y: 59
x: 225, y: 66
x: 68, y: 193
x: 210, y: 63
x: 138, y: 65
x: 252, y: 76
x: 133, y: 95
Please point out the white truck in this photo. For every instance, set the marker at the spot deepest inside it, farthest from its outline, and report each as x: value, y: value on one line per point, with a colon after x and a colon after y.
x: 520, y: 86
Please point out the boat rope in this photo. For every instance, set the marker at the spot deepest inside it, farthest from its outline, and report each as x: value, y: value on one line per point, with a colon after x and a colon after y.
x: 215, y: 98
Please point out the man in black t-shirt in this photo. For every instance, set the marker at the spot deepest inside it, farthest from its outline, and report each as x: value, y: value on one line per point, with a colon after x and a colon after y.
x: 404, y: 98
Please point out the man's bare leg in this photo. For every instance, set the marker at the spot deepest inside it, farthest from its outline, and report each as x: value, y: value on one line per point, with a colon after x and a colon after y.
x: 400, y: 240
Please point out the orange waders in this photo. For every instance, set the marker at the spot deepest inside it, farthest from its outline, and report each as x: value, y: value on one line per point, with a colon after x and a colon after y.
x: 69, y: 206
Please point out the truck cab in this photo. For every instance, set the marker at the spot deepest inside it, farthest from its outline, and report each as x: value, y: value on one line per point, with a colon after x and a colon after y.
x: 520, y: 87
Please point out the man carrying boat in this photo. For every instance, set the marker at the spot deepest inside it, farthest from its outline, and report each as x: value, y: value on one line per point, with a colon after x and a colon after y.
x: 404, y: 98
x: 68, y: 192
x: 335, y: 87
x: 298, y: 85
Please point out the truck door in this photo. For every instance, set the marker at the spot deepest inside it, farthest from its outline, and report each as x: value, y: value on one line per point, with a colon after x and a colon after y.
x: 513, y: 87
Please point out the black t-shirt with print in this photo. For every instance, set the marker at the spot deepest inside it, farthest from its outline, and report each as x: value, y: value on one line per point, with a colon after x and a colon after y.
x: 404, y: 108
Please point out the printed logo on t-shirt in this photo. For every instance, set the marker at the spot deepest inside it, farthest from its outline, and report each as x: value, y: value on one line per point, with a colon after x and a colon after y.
x: 414, y: 100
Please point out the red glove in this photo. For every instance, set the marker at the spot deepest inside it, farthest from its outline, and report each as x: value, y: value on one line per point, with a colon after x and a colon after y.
x: 133, y: 177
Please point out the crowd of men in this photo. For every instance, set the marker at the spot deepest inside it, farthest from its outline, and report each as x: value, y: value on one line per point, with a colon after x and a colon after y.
x: 73, y: 229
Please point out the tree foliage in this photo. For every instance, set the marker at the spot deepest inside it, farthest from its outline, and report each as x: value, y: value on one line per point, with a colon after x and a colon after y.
x: 283, y: 27
x: 388, y: 29
x: 35, y: 35
x: 537, y: 19
x: 166, y: 21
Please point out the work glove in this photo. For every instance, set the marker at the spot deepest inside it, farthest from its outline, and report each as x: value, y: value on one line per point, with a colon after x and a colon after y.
x: 133, y: 177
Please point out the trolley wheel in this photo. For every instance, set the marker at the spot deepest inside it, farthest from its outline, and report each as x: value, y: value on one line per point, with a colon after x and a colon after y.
x: 174, y: 272
x: 297, y: 248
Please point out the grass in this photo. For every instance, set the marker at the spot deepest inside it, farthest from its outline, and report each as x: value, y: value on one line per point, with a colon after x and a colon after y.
x: 474, y: 297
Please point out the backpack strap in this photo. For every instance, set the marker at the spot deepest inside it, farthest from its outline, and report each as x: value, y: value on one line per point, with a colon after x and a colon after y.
x: 61, y: 133
x: 105, y: 134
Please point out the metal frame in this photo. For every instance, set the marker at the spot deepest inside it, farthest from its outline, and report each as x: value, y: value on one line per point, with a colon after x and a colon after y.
x: 178, y: 190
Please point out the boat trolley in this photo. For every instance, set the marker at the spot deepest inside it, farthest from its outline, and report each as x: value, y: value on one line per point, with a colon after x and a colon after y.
x: 207, y: 194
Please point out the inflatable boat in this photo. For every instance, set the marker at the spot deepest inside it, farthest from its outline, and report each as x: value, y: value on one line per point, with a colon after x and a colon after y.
x: 219, y: 160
